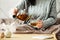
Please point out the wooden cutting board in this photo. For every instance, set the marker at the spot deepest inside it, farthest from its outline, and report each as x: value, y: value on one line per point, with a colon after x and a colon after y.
x: 29, y: 37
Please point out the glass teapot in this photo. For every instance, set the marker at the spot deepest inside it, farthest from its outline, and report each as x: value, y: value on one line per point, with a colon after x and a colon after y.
x: 23, y: 16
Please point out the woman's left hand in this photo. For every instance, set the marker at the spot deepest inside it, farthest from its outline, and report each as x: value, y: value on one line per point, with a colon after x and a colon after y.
x: 39, y: 24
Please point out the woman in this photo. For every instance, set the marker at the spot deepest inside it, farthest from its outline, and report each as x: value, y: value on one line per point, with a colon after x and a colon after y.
x: 43, y: 11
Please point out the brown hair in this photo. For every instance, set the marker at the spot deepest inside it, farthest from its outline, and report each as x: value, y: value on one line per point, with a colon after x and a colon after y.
x: 32, y: 2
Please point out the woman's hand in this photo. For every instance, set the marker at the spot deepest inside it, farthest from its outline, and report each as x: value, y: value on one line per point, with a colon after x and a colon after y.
x: 15, y: 11
x: 39, y: 24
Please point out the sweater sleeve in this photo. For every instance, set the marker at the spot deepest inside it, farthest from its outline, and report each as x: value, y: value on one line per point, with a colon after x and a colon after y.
x: 20, y: 5
x: 52, y: 15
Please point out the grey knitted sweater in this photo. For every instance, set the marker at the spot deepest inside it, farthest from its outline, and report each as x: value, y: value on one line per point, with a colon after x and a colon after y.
x: 44, y: 10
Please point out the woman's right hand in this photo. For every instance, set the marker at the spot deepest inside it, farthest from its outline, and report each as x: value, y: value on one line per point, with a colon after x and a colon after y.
x: 15, y: 11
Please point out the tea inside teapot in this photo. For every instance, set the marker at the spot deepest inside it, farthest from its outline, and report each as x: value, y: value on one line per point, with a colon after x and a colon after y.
x: 22, y: 17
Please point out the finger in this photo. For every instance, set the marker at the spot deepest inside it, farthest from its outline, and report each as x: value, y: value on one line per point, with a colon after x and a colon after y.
x: 39, y: 25
x: 15, y: 11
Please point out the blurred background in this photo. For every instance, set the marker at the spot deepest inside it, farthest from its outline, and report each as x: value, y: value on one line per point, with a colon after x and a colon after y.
x: 6, y: 5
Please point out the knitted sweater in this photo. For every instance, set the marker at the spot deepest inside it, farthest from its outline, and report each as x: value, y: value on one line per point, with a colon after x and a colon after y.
x: 44, y: 10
